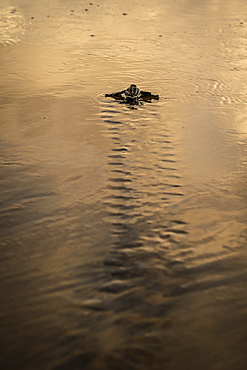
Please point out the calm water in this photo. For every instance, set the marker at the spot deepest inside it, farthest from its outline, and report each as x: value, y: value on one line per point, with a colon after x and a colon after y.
x: 123, y: 231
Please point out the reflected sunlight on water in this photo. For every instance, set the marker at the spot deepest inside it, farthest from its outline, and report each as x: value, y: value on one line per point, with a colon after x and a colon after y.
x: 123, y: 231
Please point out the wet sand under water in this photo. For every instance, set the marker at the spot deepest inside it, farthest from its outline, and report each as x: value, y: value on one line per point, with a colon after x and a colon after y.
x: 123, y: 231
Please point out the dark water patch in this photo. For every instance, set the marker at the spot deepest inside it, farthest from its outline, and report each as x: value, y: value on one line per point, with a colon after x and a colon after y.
x: 177, y: 231
x: 116, y: 156
x: 9, y: 163
x: 119, y: 187
x: 127, y: 173
x: 168, y: 160
x: 165, y: 142
x: 120, y: 150
x: 165, y: 236
x: 119, y: 179
x: 129, y: 246
x: 122, y: 197
x: 126, y: 273
x: 114, y: 122
x: 117, y: 214
x: 108, y: 111
x: 175, y: 194
x: 172, y: 185
x: 179, y: 222
x: 113, y: 129
x: 166, y: 168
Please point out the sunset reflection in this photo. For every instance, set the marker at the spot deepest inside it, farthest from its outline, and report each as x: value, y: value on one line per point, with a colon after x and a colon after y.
x: 123, y: 231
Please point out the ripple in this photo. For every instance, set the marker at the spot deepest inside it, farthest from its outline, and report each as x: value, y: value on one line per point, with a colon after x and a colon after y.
x: 173, y: 193
x: 177, y: 231
x: 118, y: 286
x: 116, y: 156
x: 120, y: 150
x: 117, y: 179
x: 12, y: 26
x: 121, y: 171
x: 120, y: 188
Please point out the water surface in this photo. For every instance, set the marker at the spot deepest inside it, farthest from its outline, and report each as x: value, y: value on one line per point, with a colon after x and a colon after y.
x: 123, y: 231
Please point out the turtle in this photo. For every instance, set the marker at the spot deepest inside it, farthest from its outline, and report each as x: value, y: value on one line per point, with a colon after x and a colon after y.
x: 133, y: 95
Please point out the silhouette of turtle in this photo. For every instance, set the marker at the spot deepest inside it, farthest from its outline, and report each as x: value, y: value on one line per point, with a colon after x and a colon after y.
x: 133, y: 95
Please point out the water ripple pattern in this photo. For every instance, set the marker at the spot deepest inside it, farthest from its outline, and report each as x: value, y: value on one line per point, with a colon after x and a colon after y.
x: 123, y: 228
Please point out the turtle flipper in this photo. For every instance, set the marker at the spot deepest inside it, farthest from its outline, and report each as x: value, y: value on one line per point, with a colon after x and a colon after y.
x: 147, y: 94
x: 156, y: 97
x: 113, y: 95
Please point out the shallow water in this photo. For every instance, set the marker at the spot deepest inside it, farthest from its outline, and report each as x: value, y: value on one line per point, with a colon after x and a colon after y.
x: 123, y: 231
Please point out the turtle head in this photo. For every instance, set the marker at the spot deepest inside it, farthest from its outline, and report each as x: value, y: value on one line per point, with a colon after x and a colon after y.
x: 133, y: 89
x: 132, y: 92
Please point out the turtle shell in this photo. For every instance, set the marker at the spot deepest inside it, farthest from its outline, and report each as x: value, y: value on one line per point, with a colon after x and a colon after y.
x: 132, y: 92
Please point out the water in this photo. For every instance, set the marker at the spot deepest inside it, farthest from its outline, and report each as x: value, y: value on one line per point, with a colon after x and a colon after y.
x: 123, y: 231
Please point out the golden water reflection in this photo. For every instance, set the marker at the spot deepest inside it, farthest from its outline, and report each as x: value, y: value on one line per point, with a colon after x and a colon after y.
x: 123, y: 232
